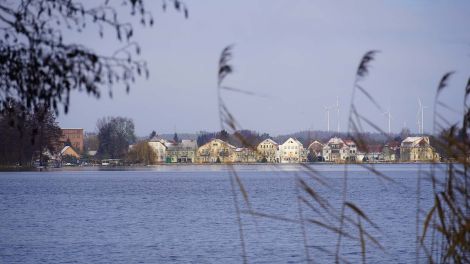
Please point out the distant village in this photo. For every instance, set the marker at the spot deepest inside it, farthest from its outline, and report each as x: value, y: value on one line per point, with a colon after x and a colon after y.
x: 216, y: 150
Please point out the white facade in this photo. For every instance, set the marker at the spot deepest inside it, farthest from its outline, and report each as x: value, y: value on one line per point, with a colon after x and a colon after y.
x: 338, y: 150
x: 159, y: 147
x: 268, y: 151
x: 292, y: 151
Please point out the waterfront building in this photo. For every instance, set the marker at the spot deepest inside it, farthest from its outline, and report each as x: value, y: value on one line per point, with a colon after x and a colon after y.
x: 374, y: 153
x: 332, y: 149
x: 417, y: 149
x: 315, y: 150
x: 181, y: 152
x: 339, y: 150
x: 268, y: 151
x: 69, y: 151
x: 245, y: 155
x: 216, y: 151
x: 292, y: 151
x: 350, y: 150
x: 74, y: 136
x: 159, y: 146
x: 391, y: 151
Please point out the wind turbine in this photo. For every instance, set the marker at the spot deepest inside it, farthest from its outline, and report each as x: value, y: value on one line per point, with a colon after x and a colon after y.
x: 327, y: 109
x: 337, y: 109
x: 389, y: 115
x: 421, y: 111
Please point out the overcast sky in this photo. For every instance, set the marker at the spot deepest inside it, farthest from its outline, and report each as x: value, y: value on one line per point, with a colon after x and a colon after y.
x: 302, y: 54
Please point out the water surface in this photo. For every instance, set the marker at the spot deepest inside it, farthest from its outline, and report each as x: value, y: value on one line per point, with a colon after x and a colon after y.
x: 186, y: 214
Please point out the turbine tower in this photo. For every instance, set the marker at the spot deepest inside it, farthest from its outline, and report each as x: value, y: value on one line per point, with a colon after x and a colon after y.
x: 327, y: 109
x: 421, y: 112
x: 389, y: 116
x: 337, y: 111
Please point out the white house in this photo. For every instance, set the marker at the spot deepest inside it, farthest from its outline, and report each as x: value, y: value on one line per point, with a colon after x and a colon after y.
x: 417, y: 149
x: 339, y: 150
x: 268, y: 151
x: 159, y: 146
x: 292, y: 151
x: 351, y: 149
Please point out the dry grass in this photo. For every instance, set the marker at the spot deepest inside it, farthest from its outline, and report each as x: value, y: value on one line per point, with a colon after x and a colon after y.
x: 443, y: 232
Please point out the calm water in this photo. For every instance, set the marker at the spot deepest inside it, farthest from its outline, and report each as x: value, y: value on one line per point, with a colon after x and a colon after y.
x: 186, y: 214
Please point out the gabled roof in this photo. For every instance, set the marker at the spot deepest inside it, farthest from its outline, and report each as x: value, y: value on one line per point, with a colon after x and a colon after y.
x: 294, y: 140
x: 335, y: 140
x: 349, y: 142
x: 221, y: 142
x: 414, y: 141
x: 316, y: 142
x: 65, y: 149
x: 69, y: 151
x: 268, y: 140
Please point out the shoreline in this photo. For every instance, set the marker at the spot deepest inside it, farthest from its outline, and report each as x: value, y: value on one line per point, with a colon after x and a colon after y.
x: 163, y: 165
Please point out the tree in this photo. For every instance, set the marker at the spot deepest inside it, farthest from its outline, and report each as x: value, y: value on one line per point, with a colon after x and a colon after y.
x: 90, y: 142
x: 153, y: 134
x: 27, y: 135
x: 175, y: 138
x: 40, y: 68
x: 311, y: 157
x: 142, y: 153
x: 223, y: 135
x: 115, y: 134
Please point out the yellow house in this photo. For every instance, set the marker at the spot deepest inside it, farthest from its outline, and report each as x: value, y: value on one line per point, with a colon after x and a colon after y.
x: 69, y: 151
x: 268, y: 151
x: 216, y: 151
x: 417, y: 149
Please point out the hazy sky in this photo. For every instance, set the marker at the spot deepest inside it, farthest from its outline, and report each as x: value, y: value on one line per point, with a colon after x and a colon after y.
x: 302, y: 54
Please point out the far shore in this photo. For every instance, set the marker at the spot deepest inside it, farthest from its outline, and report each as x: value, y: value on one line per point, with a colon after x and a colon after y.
x: 141, y: 166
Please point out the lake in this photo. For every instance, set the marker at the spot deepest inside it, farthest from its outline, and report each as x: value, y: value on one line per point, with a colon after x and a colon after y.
x: 186, y: 214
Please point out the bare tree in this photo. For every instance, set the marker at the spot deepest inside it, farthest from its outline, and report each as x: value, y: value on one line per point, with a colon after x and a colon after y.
x: 39, y: 68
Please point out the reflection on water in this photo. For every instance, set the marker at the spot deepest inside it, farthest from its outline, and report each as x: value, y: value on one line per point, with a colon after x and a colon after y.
x: 185, y: 214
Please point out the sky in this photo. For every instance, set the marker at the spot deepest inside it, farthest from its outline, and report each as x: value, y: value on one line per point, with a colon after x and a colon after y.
x: 297, y: 56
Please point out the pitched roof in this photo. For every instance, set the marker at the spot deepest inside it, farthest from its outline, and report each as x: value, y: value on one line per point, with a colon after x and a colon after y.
x: 413, y: 141
x: 335, y: 140
x: 316, y: 143
x: 268, y: 140
x: 222, y: 142
x: 294, y: 140
x: 70, y: 151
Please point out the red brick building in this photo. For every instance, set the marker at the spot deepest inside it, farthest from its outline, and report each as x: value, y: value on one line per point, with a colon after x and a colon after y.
x: 75, y: 136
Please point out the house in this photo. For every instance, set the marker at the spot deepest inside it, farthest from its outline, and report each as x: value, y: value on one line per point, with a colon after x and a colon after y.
x: 332, y: 150
x: 159, y: 146
x: 182, y: 152
x: 245, y: 155
x: 268, y: 151
x: 74, y: 136
x: 292, y: 151
x: 351, y: 149
x: 391, y: 151
x: 315, y: 150
x: 374, y: 153
x: 216, y: 151
x: 417, y: 149
x: 69, y: 151
x: 339, y: 150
